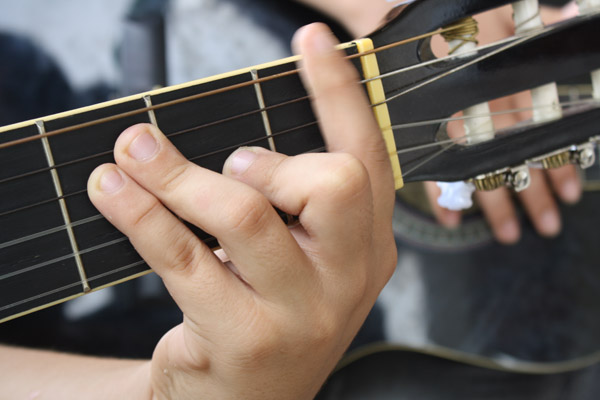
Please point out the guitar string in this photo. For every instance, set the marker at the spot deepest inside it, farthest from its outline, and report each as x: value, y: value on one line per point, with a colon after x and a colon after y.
x: 97, y: 217
x: 213, y: 92
x: 196, y: 128
x: 440, y: 76
x: 91, y: 279
x: 436, y: 144
x: 452, y: 142
x: 522, y: 38
x: 70, y: 286
x: 449, y: 143
x: 285, y: 132
x: 260, y: 110
x: 238, y: 116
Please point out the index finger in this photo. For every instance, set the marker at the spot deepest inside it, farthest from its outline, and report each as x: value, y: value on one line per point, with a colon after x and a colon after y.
x: 333, y: 84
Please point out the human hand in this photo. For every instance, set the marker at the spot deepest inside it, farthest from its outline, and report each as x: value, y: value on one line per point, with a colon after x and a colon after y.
x: 538, y: 200
x: 272, y: 323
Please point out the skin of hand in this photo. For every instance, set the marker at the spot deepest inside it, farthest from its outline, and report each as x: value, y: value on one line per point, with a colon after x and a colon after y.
x: 538, y: 200
x: 273, y: 322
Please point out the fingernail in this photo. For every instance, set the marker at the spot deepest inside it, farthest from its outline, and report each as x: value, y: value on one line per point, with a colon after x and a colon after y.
x: 571, y: 191
x: 509, y: 232
x: 324, y: 42
x: 549, y: 223
x: 240, y: 161
x: 111, y: 181
x: 143, y: 147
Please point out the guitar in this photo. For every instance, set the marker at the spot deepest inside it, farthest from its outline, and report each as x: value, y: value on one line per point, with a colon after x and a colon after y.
x: 58, y: 246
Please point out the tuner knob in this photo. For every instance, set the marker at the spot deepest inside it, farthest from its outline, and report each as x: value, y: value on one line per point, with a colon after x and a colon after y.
x: 517, y: 178
x: 520, y: 178
x: 585, y: 155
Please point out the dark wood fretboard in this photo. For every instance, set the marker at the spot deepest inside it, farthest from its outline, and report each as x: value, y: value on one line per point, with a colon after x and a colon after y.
x: 54, y: 244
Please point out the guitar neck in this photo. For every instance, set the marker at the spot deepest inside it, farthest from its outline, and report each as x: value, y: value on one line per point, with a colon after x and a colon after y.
x: 54, y: 245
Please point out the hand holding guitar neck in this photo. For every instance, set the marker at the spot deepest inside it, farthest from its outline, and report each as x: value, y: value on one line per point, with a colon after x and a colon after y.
x: 290, y: 300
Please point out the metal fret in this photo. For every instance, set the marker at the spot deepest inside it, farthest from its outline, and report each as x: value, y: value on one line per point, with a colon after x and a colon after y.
x: 151, y: 115
x: 265, y: 115
x: 63, y: 206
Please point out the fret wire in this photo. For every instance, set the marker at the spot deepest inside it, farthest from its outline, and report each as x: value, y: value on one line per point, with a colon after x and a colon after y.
x: 214, y: 92
x: 265, y: 115
x: 63, y: 207
x: 151, y: 114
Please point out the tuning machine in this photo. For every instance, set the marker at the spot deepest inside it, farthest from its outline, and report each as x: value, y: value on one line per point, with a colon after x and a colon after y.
x: 583, y: 155
x: 517, y: 178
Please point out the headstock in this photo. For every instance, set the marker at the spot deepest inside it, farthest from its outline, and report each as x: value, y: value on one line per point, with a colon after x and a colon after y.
x: 424, y: 92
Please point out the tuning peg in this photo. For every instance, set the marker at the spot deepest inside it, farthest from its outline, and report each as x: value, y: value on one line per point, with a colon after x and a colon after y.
x: 517, y: 178
x: 546, y: 104
x: 478, y: 124
x: 583, y: 155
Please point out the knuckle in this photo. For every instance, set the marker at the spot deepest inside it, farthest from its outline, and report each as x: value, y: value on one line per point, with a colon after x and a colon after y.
x: 248, y: 214
x: 172, y: 177
x: 184, y: 255
x: 345, y: 178
x: 146, y: 213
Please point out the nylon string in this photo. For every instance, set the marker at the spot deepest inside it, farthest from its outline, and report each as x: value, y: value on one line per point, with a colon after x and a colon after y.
x: 451, y: 142
x: 445, y: 144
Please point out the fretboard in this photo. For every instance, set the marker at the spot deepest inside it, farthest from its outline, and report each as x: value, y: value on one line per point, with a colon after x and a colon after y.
x: 54, y: 245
